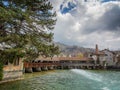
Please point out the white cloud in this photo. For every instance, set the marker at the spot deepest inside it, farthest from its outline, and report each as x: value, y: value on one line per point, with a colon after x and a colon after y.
x: 88, y: 24
x: 56, y: 4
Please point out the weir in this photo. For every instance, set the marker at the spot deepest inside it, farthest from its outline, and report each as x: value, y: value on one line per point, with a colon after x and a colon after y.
x: 60, y: 63
x: 50, y: 67
x: 45, y: 68
x: 89, y: 75
x: 28, y: 70
x: 37, y: 69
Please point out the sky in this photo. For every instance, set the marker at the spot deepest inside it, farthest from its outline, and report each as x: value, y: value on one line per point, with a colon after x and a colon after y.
x: 88, y: 22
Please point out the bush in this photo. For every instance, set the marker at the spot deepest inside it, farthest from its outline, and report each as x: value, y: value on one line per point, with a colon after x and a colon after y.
x: 1, y: 71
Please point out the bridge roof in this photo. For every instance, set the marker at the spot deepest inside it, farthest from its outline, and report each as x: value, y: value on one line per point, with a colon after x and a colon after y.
x: 75, y: 58
x: 48, y: 59
x: 64, y: 58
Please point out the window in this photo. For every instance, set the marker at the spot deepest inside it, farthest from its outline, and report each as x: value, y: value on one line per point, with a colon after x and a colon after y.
x: 16, y: 62
x: 6, y: 63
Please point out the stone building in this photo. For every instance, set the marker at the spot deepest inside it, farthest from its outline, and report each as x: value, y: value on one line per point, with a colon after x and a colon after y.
x: 13, y: 71
x: 99, y: 57
x: 109, y: 57
x: 104, y: 58
x: 117, y: 59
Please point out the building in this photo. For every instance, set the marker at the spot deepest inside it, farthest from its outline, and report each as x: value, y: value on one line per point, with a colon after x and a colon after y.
x: 99, y: 57
x: 109, y: 57
x: 12, y: 71
x: 117, y: 60
x: 104, y: 58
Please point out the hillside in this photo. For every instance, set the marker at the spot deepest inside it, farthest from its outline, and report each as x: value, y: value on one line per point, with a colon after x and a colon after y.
x: 72, y: 50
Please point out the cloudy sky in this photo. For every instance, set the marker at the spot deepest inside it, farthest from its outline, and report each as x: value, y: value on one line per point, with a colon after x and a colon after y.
x: 89, y: 22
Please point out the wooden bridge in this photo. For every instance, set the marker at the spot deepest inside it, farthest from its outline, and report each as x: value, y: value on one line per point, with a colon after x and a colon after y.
x: 40, y: 64
x: 58, y: 62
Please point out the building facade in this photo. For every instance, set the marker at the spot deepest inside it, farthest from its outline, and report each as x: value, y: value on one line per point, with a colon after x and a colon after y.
x: 109, y: 57
x: 13, y: 71
x: 104, y: 58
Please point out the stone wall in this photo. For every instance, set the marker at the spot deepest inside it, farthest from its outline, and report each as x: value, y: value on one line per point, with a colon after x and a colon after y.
x: 12, y: 72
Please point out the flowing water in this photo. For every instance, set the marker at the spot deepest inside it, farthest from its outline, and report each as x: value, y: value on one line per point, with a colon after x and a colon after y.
x: 74, y: 79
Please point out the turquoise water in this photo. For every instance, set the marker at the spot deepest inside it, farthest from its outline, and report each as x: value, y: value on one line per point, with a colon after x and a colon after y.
x: 74, y: 79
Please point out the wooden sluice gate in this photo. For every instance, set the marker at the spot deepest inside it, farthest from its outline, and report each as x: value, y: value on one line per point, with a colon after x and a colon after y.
x: 59, y: 63
x: 39, y: 66
x: 35, y: 65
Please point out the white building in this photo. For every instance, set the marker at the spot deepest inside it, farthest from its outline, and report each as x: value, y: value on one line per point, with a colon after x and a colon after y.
x: 109, y: 57
x: 104, y: 57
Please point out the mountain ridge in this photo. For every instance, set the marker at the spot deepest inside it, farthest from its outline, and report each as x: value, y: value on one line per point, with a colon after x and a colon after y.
x: 73, y: 49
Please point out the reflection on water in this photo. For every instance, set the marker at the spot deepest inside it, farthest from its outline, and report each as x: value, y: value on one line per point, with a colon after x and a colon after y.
x: 74, y: 79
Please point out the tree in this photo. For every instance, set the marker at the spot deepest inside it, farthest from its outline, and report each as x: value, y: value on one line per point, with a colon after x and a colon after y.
x: 80, y: 55
x: 26, y: 29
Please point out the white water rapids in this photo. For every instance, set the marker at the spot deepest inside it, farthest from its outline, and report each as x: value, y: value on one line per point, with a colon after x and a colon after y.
x: 89, y: 75
x: 92, y: 76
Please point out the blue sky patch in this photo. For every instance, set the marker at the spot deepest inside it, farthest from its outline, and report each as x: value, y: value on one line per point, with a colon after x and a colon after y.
x: 108, y: 0
x: 67, y: 9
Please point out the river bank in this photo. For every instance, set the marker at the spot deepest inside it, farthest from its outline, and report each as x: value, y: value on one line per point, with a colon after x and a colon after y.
x: 73, y: 79
x: 45, y: 71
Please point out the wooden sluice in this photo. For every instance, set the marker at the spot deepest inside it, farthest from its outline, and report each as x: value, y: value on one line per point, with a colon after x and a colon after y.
x: 59, y: 63
x: 38, y: 66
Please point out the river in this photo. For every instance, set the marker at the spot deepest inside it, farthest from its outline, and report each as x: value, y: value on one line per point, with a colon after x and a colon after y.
x: 74, y: 79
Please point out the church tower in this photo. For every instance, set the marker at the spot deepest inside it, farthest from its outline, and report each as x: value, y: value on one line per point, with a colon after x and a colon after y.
x: 96, y: 49
x: 97, y: 54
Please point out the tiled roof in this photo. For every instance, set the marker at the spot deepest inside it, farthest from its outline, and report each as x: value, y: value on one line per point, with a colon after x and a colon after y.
x: 74, y: 58
x: 48, y: 59
x: 99, y: 53
x: 64, y: 58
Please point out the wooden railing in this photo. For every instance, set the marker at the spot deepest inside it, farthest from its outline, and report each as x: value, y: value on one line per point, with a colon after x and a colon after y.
x: 29, y: 64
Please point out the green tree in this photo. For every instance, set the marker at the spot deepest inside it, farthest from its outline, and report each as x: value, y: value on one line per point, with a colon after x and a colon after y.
x: 26, y: 29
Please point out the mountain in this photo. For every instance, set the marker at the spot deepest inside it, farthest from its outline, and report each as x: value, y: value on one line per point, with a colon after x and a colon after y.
x: 73, y: 50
